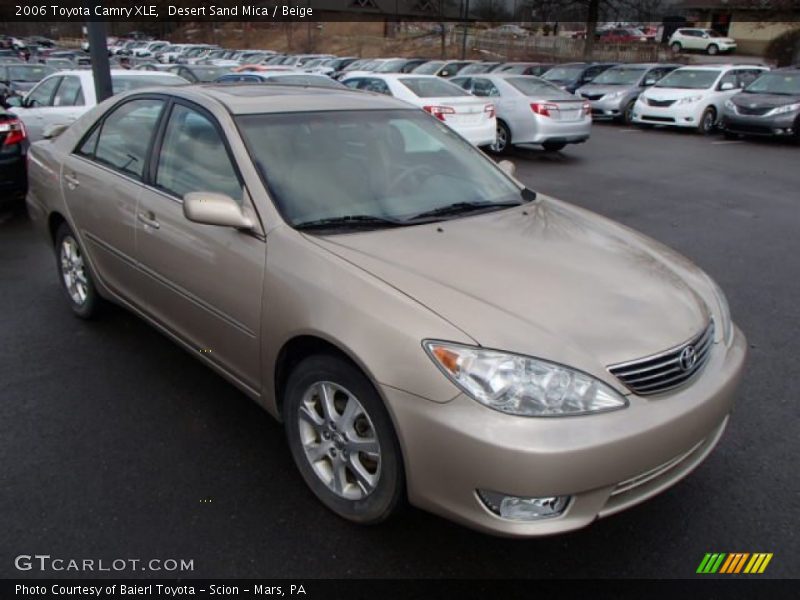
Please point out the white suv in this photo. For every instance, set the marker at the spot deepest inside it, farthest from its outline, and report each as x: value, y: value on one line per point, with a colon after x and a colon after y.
x: 693, y: 96
x: 707, y: 40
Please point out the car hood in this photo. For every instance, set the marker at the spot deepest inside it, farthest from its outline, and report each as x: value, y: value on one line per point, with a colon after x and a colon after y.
x: 599, y: 88
x: 546, y: 279
x: 22, y: 86
x: 764, y: 100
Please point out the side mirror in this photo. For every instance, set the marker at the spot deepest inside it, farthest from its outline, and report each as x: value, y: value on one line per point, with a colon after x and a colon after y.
x: 726, y: 86
x: 53, y: 131
x: 649, y: 81
x: 508, y: 167
x: 210, y: 208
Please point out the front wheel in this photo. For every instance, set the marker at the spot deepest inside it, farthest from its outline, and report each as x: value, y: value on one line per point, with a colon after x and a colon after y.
x: 627, y: 114
x: 76, y: 279
x: 342, y: 439
x: 502, y: 143
x: 708, y: 121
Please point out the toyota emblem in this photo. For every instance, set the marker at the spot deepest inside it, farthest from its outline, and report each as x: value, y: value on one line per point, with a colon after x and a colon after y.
x: 688, y: 358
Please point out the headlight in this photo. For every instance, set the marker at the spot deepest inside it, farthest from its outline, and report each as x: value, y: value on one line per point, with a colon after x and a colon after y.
x: 730, y: 105
x: 782, y: 110
x: 521, y: 385
x: 689, y: 100
x: 614, y: 95
x: 724, y: 313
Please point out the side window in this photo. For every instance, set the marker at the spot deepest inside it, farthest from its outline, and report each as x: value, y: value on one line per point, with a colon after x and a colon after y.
x: 463, y: 82
x: 353, y: 83
x: 43, y: 94
x: 376, y: 85
x: 67, y: 92
x: 729, y: 77
x: 484, y: 87
x: 125, y: 136
x: 747, y: 76
x: 194, y: 158
x: 591, y: 73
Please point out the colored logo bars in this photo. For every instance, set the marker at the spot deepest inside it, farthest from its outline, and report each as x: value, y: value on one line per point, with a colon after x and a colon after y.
x: 734, y: 563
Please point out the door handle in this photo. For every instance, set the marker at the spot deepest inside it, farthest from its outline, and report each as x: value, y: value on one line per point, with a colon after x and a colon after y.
x: 149, y: 219
x: 72, y: 181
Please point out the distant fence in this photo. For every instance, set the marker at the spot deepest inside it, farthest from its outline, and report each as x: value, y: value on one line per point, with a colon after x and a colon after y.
x: 559, y: 49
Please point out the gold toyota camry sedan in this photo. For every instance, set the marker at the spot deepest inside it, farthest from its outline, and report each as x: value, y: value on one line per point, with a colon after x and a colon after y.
x: 425, y: 326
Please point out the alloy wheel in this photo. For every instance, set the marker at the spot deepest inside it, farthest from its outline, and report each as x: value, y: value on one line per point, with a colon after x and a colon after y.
x: 339, y: 440
x: 73, y: 270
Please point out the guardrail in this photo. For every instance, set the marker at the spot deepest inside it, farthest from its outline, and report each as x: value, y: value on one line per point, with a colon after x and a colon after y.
x: 556, y: 49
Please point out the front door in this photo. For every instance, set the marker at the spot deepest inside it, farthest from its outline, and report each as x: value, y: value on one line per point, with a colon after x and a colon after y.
x: 203, y: 282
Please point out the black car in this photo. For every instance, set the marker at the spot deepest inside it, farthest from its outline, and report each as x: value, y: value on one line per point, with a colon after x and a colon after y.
x: 13, y: 149
x: 571, y: 76
x: 769, y: 106
x: 17, y: 79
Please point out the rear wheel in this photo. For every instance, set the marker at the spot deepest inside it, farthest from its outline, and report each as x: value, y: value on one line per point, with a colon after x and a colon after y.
x: 553, y: 146
x: 676, y: 47
x: 708, y: 121
x: 712, y: 49
x: 76, y: 279
x: 342, y: 439
x: 503, y: 141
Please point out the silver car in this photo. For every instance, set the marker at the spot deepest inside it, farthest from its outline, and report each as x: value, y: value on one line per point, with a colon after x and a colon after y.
x: 613, y: 93
x: 531, y: 110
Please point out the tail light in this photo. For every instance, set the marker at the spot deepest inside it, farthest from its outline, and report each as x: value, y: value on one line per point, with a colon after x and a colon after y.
x: 490, y: 111
x: 587, y: 108
x: 543, y: 108
x: 14, y: 130
x: 439, y: 111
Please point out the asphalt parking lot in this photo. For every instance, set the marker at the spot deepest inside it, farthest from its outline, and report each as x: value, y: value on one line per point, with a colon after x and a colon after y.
x: 117, y: 443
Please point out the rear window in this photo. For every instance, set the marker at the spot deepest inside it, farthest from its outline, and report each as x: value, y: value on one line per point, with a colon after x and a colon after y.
x: 126, y: 83
x: 534, y: 86
x: 431, y: 88
x: 300, y: 79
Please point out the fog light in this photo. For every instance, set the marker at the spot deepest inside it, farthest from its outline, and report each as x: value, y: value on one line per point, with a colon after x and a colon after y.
x: 688, y: 119
x: 518, y: 508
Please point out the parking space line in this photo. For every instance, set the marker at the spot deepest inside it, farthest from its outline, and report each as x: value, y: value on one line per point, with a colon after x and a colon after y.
x: 720, y: 142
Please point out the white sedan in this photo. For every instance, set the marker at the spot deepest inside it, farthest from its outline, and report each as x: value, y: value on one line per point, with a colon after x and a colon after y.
x: 61, y: 98
x: 473, y: 118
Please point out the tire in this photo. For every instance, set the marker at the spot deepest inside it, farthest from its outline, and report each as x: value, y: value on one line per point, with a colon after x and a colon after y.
x: 708, y: 121
x: 676, y: 47
x: 553, y: 146
x: 712, y: 50
x: 503, y: 143
x: 76, y: 278
x: 627, y: 113
x: 321, y: 440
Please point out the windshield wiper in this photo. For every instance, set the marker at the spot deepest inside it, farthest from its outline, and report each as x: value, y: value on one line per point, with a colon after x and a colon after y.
x: 460, y: 208
x: 348, y: 221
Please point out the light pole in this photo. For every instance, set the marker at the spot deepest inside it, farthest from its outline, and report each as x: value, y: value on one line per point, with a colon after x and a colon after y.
x: 98, y: 51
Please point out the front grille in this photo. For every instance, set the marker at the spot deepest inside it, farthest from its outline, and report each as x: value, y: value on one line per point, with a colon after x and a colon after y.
x: 661, y: 103
x: 747, y: 128
x: 593, y: 96
x: 666, y: 370
x: 758, y: 111
x: 658, y: 119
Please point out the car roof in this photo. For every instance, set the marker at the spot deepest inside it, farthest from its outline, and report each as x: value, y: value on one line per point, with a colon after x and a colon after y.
x: 722, y: 67
x: 247, y: 99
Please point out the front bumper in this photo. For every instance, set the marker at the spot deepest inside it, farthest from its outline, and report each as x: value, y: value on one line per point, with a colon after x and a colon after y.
x: 677, y: 115
x: 608, y: 109
x: 771, y: 126
x: 543, y: 129
x: 605, y: 462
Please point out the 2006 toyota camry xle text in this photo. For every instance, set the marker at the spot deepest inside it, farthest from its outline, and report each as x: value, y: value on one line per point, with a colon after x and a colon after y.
x: 425, y: 326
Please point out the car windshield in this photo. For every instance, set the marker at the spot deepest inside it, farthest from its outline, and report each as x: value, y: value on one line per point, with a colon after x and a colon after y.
x: 563, y: 73
x: 620, y: 76
x: 210, y: 73
x: 537, y: 87
x: 429, y: 68
x: 301, y: 79
x: 425, y: 87
x: 28, y: 73
x: 776, y: 83
x: 689, y: 79
x: 391, y: 66
x: 372, y: 164
x: 477, y: 68
x: 126, y: 83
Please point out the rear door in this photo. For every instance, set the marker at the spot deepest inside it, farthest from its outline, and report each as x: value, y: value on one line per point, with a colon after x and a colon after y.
x: 37, y: 102
x: 68, y: 103
x: 102, y: 180
x: 202, y: 282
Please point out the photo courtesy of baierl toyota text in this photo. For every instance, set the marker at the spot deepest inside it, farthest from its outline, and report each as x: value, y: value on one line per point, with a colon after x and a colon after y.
x: 399, y: 298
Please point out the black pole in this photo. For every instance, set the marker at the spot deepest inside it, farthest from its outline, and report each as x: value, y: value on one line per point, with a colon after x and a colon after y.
x: 464, y: 33
x: 98, y: 50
